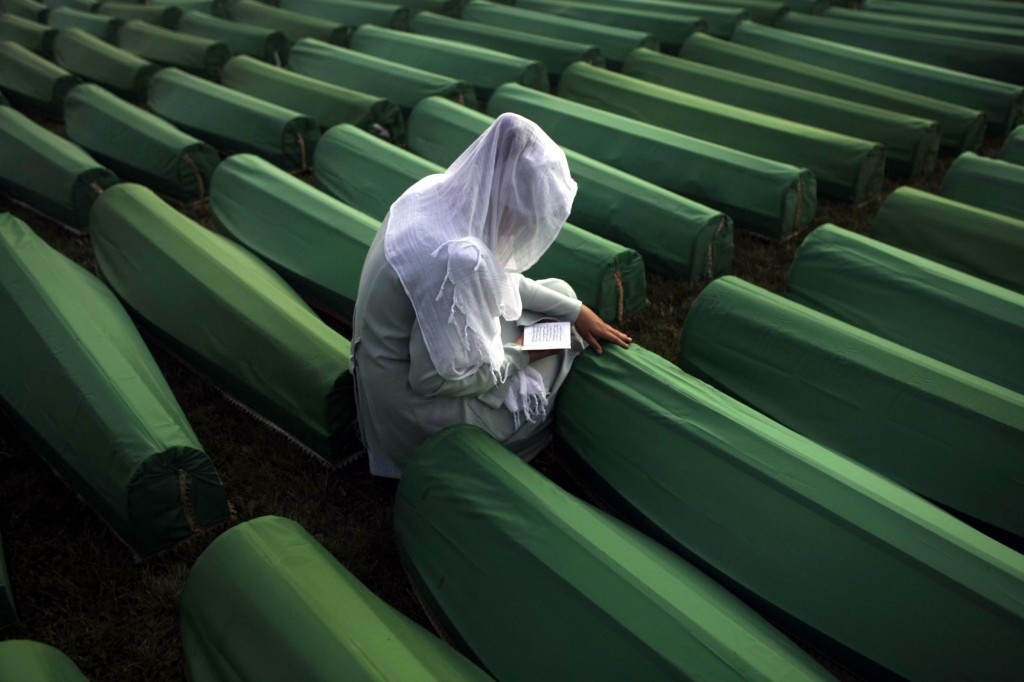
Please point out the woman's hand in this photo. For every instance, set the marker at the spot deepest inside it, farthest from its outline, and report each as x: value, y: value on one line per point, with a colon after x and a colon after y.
x: 594, y: 330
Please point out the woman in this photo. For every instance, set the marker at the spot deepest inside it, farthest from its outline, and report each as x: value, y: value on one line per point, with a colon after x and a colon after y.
x: 436, y: 336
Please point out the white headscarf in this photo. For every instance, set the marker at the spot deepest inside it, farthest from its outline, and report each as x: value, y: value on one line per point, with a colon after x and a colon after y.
x: 457, y: 240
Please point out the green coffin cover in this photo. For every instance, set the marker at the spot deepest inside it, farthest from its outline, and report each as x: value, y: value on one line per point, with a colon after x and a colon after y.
x: 81, y: 383
x: 846, y: 168
x: 328, y: 104
x: 554, y: 53
x: 1001, y: 102
x: 675, y: 236
x: 1013, y: 147
x: 990, y: 184
x: 352, y: 13
x: 31, y: 81
x: 29, y: 34
x: 201, y: 56
x: 536, y: 584
x: 614, y: 43
x: 99, y: 25
x: 26, y: 9
x: 961, y: 128
x: 139, y: 146
x: 295, y: 26
x: 370, y: 174
x: 228, y: 315
x: 721, y: 21
x: 267, y: 44
x: 84, y: 5
x: 945, y: 434
x: 120, y: 71
x: 268, y: 587
x: 167, y: 16
x: 911, y: 143
x: 403, y: 85
x: 1011, y: 9
x: 232, y: 121
x: 315, y: 242
x: 772, y: 198
x: 945, y: 13
x: 8, y: 616
x: 961, y: 320
x: 857, y: 566
x: 47, y: 172
x: 28, y: 661
x: 761, y: 11
x: 485, y: 69
x: 210, y: 7
x: 958, y: 29
x: 981, y: 243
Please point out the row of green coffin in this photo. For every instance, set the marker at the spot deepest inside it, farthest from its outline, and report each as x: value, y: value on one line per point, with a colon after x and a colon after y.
x: 990, y: 184
x: 1013, y: 147
x: 960, y: 29
x: 978, y: 11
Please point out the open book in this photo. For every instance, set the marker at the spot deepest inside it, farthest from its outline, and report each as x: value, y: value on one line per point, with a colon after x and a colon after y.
x: 547, y: 336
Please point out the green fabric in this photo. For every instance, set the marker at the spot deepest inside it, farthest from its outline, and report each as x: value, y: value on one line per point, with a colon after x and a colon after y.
x: 214, y: 7
x: 228, y: 315
x: 911, y: 143
x: 8, y: 616
x: 26, y: 9
x: 315, y: 242
x: 47, y: 172
x: 670, y: 29
x: 959, y: 29
x: 29, y: 34
x: 1001, y: 102
x: 614, y: 43
x: 981, y: 243
x: 370, y: 174
x: 675, y: 236
x: 721, y: 21
x: 120, y: 71
x: 232, y: 121
x: 814, y: 6
x: 28, y: 661
x: 772, y: 198
x: 485, y: 69
x: 201, y: 56
x: 139, y: 146
x: 83, y: 5
x: 167, y: 16
x: 961, y: 128
x: 855, y: 565
x: 295, y: 26
x: 328, y: 104
x: 353, y: 13
x: 81, y: 383
x: 537, y: 584
x: 943, y: 433
x: 31, y: 81
x: 761, y: 11
x: 267, y: 44
x: 986, y: 183
x: 99, y: 25
x: 268, y: 586
x: 931, y: 11
x: 961, y: 320
x: 1012, y: 9
x: 1013, y: 147
x: 403, y: 85
x: 554, y: 53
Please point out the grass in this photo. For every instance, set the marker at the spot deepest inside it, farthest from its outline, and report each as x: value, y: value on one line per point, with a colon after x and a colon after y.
x: 77, y: 587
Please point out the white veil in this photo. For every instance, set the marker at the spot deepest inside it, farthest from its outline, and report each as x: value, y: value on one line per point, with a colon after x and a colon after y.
x: 457, y: 240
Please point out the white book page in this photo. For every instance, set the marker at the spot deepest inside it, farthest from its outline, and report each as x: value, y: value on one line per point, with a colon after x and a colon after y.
x: 547, y: 336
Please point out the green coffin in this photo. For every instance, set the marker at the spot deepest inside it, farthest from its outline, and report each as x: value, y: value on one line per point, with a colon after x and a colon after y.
x: 33, y: 82
x: 536, y: 584
x: 28, y: 661
x: 1013, y: 147
x: 403, y: 85
x: 232, y: 121
x: 961, y: 128
x: 209, y: 7
x: 352, y: 13
x: 99, y: 25
x: 855, y: 565
x: 201, y: 56
x: 328, y: 104
x: 986, y: 183
x: 370, y: 174
x: 761, y: 11
x: 26, y: 9
x: 267, y: 44
x: 772, y: 198
x: 167, y: 16
x: 911, y: 143
x: 485, y: 69
x: 675, y: 236
x: 981, y: 243
x: 315, y: 242
x: 81, y: 384
x: 1001, y: 102
x: 47, y: 172
x: 1010, y: 9
x: 614, y: 43
x: 554, y: 53
x: 671, y: 29
x: 721, y: 21
x: 139, y: 146
x: 8, y: 616
x: 28, y: 34
x: 945, y: 13
x: 295, y: 26
x: 95, y: 60
x: 267, y: 587
x: 957, y: 29
x: 945, y: 314
x: 945, y: 434
x: 227, y: 315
